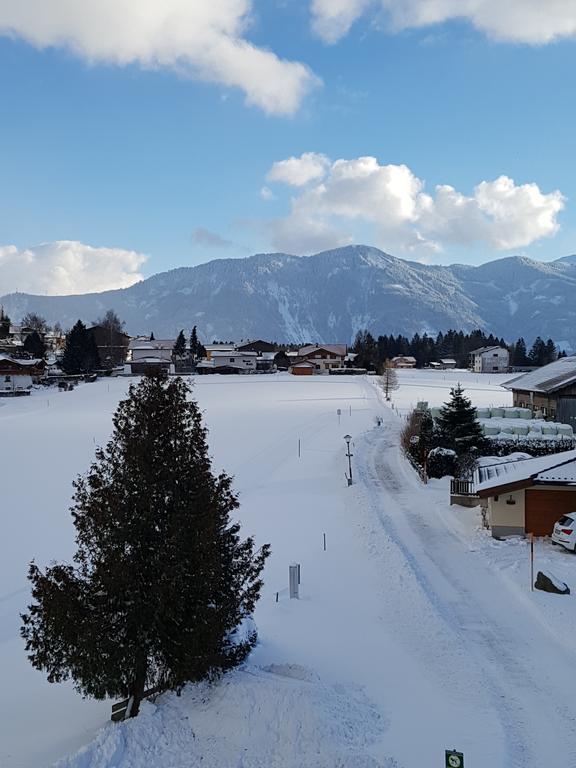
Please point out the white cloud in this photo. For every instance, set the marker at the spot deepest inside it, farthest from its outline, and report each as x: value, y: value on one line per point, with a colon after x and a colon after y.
x: 267, y: 194
x: 391, y: 201
x: 521, y: 21
x: 67, y: 267
x: 299, y: 171
x: 198, y: 38
x: 332, y: 19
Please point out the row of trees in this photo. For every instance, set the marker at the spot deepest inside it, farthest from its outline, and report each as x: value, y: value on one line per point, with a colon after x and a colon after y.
x: 194, y: 351
x: 161, y: 580
x: 373, y: 352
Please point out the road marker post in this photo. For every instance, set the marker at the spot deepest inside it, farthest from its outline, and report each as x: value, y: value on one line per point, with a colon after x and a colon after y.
x: 531, y: 561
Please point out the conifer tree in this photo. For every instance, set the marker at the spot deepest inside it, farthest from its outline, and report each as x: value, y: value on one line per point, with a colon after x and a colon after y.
x: 80, y: 353
x: 161, y: 579
x: 4, y: 324
x: 537, y: 354
x: 194, y: 343
x: 34, y: 345
x: 551, y: 352
x: 179, y: 349
x: 458, y: 427
x: 519, y: 354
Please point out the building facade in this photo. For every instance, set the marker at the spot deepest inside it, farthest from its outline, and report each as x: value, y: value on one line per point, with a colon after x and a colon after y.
x: 490, y: 360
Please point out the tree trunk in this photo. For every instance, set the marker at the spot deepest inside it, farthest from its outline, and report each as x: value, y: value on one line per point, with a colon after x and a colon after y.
x: 138, y: 687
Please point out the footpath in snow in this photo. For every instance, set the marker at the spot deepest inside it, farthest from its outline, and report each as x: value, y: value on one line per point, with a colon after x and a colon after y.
x: 411, y: 634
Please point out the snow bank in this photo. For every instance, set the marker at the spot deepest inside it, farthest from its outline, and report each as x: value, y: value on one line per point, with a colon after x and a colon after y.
x: 282, y: 716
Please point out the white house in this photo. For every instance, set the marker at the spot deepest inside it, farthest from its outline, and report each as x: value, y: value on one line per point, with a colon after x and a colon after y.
x: 245, y: 362
x: 144, y: 348
x: 490, y: 360
x: 403, y: 361
x: 17, y: 376
x: 324, y: 357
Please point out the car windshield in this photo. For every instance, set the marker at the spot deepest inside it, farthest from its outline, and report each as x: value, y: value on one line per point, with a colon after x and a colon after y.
x: 566, y: 520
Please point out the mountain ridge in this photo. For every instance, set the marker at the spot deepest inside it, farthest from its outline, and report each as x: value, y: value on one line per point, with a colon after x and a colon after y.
x: 331, y: 295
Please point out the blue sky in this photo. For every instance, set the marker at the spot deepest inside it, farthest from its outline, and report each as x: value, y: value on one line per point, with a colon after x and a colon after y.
x: 141, y: 156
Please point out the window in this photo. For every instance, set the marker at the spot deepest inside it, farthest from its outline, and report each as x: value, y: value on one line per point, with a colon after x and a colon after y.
x: 232, y: 359
x: 7, y: 378
x: 567, y: 521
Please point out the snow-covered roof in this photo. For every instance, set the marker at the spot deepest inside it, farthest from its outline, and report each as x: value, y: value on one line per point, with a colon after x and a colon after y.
x: 223, y: 347
x: 482, y: 350
x: 549, y: 378
x: 154, y: 344
x: 335, y: 349
x: 558, y: 467
x: 232, y: 352
x: 408, y: 358
x: 448, y: 361
x: 150, y: 359
x: 22, y: 362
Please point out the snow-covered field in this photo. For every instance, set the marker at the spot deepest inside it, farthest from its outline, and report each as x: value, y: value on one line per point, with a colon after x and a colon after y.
x: 434, y: 387
x: 415, y: 632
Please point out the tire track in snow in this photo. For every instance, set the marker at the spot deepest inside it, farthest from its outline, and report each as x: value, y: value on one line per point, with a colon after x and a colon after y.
x: 509, y: 679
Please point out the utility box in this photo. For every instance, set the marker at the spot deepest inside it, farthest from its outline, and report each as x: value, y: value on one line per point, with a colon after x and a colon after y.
x: 294, y: 580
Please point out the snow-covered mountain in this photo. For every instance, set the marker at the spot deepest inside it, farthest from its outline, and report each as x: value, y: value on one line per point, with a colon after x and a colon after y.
x: 330, y: 296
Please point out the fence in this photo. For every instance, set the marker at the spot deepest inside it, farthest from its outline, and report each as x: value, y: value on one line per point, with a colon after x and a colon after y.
x: 462, y: 488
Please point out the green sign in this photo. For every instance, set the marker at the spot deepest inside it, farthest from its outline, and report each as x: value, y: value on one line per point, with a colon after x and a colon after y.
x: 454, y: 759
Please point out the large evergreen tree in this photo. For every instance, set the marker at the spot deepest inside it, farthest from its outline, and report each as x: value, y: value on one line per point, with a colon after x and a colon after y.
x: 161, y: 579
x: 34, y: 345
x: 194, y: 343
x: 4, y: 324
x: 458, y: 427
x: 80, y: 353
x: 179, y: 349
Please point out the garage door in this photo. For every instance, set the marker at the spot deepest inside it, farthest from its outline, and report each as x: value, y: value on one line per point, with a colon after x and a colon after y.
x: 544, y: 508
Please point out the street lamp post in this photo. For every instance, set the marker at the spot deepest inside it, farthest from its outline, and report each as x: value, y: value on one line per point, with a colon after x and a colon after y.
x: 348, y: 438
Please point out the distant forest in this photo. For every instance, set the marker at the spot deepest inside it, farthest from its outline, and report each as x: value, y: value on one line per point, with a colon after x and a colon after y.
x: 373, y: 352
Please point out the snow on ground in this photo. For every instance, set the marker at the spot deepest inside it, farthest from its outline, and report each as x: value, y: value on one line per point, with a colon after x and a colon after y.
x: 485, y: 389
x: 415, y: 632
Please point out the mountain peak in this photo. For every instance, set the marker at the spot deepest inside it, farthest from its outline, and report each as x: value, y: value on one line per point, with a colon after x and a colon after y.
x: 330, y: 296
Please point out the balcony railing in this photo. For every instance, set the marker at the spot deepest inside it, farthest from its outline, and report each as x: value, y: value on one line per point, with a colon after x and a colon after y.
x: 462, y: 488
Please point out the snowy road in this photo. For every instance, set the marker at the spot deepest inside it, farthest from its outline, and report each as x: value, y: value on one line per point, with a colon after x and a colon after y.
x: 483, y: 646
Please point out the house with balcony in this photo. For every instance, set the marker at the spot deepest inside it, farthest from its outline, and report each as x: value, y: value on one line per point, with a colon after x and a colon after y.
x: 324, y: 358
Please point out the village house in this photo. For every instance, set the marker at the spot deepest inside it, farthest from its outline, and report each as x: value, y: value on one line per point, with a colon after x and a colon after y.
x: 324, y: 357
x: 490, y: 360
x: 229, y: 361
x: 528, y: 496
x: 550, y: 391
x: 218, y: 347
x: 18, y: 376
x: 403, y: 361
x: 149, y: 356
